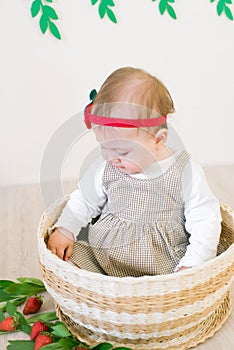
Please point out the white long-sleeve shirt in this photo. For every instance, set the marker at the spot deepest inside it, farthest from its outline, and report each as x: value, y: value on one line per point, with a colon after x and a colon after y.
x: 201, y: 208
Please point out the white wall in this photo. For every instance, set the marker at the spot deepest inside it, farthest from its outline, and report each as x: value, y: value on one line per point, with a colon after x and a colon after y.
x: 44, y: 81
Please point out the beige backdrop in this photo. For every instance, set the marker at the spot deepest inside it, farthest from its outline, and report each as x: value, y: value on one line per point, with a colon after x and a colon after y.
x: 45, y: 81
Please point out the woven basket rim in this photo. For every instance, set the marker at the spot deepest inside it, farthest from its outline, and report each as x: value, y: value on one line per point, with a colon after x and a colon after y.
x: 90, y: 299
x: 135, y: 280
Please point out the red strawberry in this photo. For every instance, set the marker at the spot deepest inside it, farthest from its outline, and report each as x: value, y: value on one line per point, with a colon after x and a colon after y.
x: 8, y: 324
x: 41, y: 340
x: 33, y: 305
x: 37, y: 328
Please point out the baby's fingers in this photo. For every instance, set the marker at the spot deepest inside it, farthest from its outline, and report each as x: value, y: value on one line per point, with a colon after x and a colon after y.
x: 53, y: 250
x: 60, y: 252
x: 68, y: 252
x: 51, y: 246
x: 57, y: 251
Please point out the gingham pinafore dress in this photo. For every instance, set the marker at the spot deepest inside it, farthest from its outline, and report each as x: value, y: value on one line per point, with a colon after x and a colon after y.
x: 141, y: 229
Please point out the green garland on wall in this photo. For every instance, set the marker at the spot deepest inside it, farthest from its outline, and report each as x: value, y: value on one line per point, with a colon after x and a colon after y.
x: 48, y: 15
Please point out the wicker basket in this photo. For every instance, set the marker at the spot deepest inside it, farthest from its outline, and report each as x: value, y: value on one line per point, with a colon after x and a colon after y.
x: 174, y: 311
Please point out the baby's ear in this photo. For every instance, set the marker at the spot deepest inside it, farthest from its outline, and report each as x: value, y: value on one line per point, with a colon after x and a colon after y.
x: 161, y: 136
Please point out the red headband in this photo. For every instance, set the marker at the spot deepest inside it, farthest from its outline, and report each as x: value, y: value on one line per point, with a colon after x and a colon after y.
x: 120, y: 122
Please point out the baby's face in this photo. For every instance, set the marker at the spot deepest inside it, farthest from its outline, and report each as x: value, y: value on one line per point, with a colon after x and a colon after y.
x: 130, y: 150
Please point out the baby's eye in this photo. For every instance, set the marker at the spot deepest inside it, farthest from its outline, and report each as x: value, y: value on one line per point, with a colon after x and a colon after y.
x: 123, y: 153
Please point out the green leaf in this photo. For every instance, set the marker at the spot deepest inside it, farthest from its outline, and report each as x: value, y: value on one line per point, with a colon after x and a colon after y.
x: 54, y: 30
x: 52, y: 346
x: 5, y: 283
x: 21, y: 345
x: 111, y: 15
x: 93, y: 2
x: 19, y: 301
x: 228, y: 1
x: 102, y: 9
x: 228, y: 13
x: 35, y: 8
x: 1, y: 316
x: 212, y: 0
x: 5, y: 296
x: 110, y: 3
x: 31, y: 280
x: 45, y: 317
x: 19, y: 288
x: 102, y: 346
x: 60, y: 330
x: 171, y: 11
x: 26, y: 329
x: 16, y: 302
x: 22, y: 319
x: 68, y: 343
x: 162, y: 6
x: 50, y: 12
x: 11, y: 309
x: 49, y: 0
x: 44, y: 23
x: 170, y: 0
x: 220, y: 7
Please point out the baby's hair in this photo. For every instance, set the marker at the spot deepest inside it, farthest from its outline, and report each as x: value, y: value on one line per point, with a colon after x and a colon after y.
x: 137, y: 88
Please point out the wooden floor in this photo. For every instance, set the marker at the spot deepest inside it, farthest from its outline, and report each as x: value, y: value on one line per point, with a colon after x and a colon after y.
x: 20, y: 210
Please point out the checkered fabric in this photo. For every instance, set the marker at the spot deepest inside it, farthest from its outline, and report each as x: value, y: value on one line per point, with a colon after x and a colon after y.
x: 141, y: 229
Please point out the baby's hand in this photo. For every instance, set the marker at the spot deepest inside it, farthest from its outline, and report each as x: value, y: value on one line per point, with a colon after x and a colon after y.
x: 60, y: 244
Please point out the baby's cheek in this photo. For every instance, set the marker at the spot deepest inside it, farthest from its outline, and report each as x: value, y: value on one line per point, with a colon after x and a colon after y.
x: 137, y: 163
x: 106, y: 155
x: 132, y: 166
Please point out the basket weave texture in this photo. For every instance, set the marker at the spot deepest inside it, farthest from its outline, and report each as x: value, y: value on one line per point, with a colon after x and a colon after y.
x: 174, y: 311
